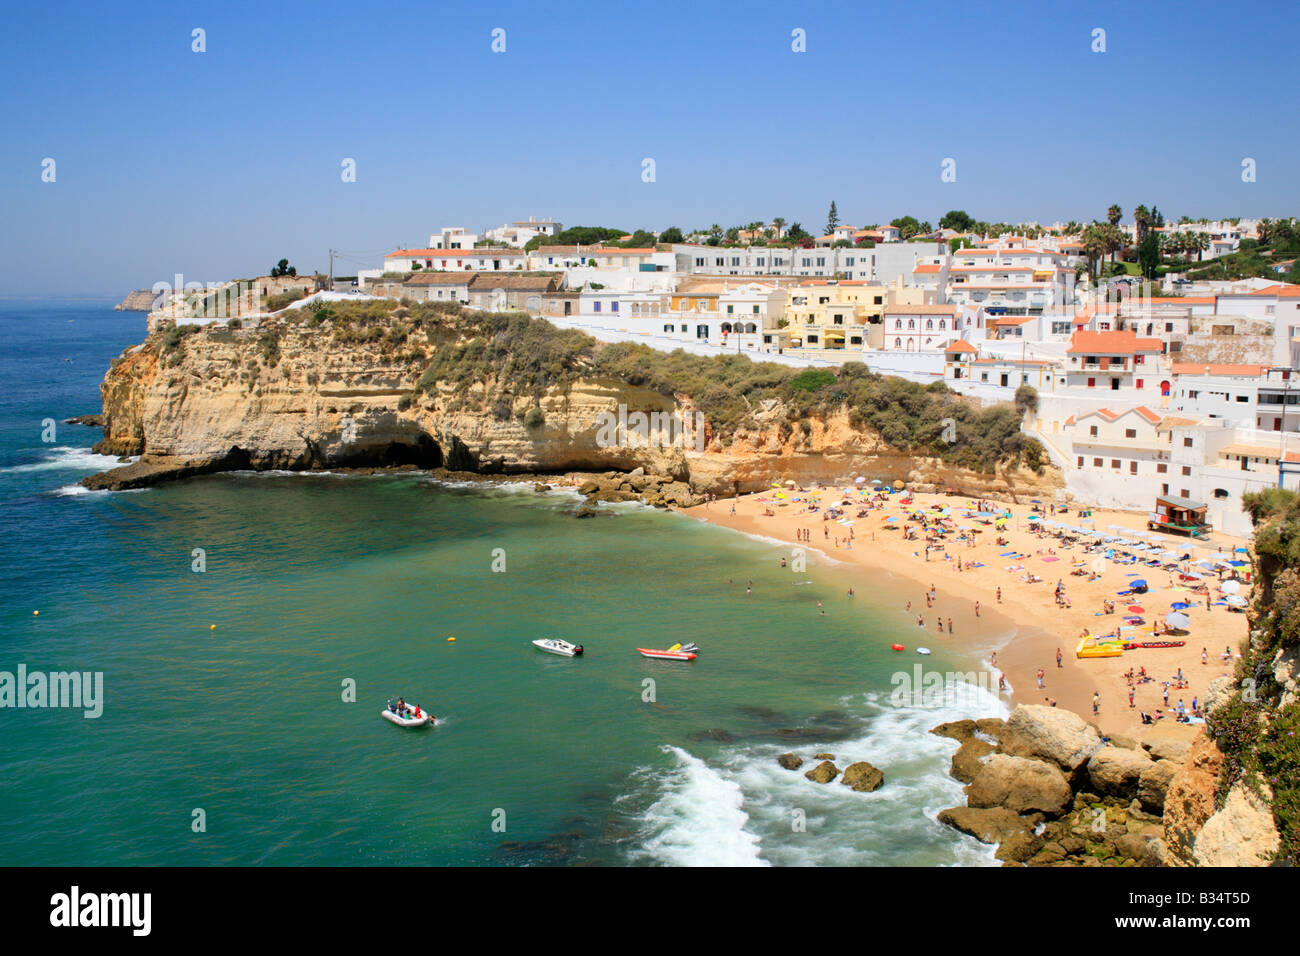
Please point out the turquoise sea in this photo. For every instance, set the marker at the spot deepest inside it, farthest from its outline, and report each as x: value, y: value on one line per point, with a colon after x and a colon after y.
x: 316, y: 580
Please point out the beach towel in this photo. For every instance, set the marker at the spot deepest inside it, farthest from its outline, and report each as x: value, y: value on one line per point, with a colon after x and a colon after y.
x: 980, y: 564
x: 1007, y: 554
x: 1051, y: 557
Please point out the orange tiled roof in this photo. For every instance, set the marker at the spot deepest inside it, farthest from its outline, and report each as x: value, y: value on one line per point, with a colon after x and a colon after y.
x: 1211, y: 368
x: 1112, y: 343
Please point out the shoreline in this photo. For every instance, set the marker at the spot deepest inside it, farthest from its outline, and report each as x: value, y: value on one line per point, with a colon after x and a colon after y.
x: 1034, y: 624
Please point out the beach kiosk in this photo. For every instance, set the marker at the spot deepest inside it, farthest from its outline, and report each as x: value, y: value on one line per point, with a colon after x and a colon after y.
x: 1179, y: 515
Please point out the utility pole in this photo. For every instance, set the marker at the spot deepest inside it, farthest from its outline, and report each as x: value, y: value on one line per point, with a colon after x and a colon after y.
x: 331, y: 285
x: 1281, y: 459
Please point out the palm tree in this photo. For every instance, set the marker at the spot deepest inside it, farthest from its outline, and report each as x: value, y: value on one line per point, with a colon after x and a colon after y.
x: 1113, y: 215
x: 780, y: 226
x: 1142, y: 216
x: 1073, y: 228
x: 1094, y: 247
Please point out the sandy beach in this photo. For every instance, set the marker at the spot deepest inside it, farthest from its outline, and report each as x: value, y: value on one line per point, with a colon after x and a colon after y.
x: 876, y: 554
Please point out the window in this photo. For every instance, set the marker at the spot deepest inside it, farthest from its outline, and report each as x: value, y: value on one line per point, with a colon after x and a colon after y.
x: 1096, y: 463
x: 1114, y: 463
x: 1161, y: 468
x: 1130, y: 433
x: 1187, y: 471
x: 720, y: 261
x: 879, y: 300
x: 1092, y: 430
x: 1132, y: 467
x: 1080, y: 461
x: 613, y: 307
x: 595, y: 307
x: 1164, y: 488
x: 1187, y: 443
x: 1185, y: 493
x: 1220, y: 492
x: 1092, y: 383
x: 1139, y: 383
x: 1169, y: 326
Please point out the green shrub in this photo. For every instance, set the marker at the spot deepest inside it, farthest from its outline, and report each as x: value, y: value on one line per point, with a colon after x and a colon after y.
x: 535, y: 418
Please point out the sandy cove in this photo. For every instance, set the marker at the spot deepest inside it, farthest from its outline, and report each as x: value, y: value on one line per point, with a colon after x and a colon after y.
x: 1029, y: 611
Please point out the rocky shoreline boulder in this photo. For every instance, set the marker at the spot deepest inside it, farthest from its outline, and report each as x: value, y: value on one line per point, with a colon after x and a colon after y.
x: 824, y: 772
x: 862, y: 777
x: 1050, y: 733
x: 1050, y: 791
x: 1116, y: 771
x: 1021, y: 785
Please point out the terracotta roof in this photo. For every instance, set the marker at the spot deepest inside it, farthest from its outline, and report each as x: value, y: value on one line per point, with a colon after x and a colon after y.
x: 1173, y: 421
x: 928, y: 267
x: 621, y: 252
x: 1284, y: 291
x: 961, y: 345
x: 451, y: 253
x: 505, y: 280
x: 921, y: 310
x: 1251, y: 451
x: 441, y: 278
x: 1110, y: 343
x: 1210, y: 368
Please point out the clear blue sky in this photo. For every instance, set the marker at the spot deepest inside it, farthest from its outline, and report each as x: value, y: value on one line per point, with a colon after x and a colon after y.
x: 217, y: 164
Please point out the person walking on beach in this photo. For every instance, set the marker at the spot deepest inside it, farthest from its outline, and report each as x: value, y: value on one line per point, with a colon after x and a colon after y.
x: 1130, y: 697
x: 1040, y: 676
x: 977, y: 608
x: 999, y: 595
x: 1058, y: 657
x: 1096, y: 704
x: 949, y: 625
x: 1205, y: 655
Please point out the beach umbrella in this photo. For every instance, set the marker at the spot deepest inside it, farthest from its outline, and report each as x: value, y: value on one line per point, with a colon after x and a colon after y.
x: 1218, y: 556
x: 859, y: 480
x: 1033, y: 518
x: 1178, y: 621
x: 875, y: 481
x: 1236, y: 564
x: 1230, y: 587
x: 1236, y: 600
x: 1241, y: 551
x: 898, y: 486
x: 1179, y: 606
x: 894, y: 518
x: 1205, y: 564
x: 791, y: 481
x: 1138, y: 583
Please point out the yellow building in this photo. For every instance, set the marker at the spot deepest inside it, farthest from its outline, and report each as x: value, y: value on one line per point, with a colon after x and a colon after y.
x: 831, y: 314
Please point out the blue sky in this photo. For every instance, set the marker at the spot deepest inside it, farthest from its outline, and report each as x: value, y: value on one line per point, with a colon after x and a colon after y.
x: 217, y: 164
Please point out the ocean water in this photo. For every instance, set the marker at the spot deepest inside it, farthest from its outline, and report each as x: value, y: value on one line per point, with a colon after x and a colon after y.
x: 314, y: 582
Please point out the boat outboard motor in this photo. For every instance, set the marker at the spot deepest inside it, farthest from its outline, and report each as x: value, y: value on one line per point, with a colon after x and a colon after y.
x: 577, y: 649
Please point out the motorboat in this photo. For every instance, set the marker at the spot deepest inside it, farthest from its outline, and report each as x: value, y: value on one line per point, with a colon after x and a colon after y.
x: 410, y: 715
x: 553, y: 645
x: 678, y: 652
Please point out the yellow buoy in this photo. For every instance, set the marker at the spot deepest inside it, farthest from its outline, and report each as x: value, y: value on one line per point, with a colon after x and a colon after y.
x: 451, y: 640
x: 212, y: 627
x: 36, y: 613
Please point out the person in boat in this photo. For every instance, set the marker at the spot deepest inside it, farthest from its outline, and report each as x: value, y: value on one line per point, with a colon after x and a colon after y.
x: 401, y: 708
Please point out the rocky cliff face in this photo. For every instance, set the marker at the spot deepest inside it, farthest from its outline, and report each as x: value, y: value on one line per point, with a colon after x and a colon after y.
x: 141, y: 300
x: 291, y: 396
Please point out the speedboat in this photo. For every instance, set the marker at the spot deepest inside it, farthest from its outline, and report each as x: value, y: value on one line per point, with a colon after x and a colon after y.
x: 677, y: 652
x: 411, y: 716
x: 553, y: 645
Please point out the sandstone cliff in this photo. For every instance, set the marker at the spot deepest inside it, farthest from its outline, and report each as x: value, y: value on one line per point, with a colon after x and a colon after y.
x: 298, y: 394
x: 141, y: 300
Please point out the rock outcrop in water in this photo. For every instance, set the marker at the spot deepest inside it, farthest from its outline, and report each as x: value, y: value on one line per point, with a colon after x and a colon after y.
x: 299, y: 393
x: 1051, y: 791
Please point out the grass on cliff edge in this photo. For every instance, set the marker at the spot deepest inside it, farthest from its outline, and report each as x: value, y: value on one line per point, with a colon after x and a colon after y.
x: 517, y: 356
x: 1257, y: 735
x: 528, y: 356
